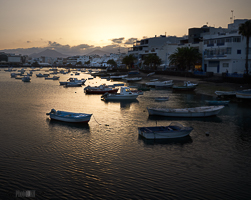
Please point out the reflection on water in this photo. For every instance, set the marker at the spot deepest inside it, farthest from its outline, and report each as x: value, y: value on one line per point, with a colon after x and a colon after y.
x: 67, y: 125
x: 172, y: 141
x: 125, y: 104
x: 202, y: 119
x: 106, y: 158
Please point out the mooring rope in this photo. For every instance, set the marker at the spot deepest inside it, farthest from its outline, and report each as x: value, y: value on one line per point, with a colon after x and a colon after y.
x: 96, y: 120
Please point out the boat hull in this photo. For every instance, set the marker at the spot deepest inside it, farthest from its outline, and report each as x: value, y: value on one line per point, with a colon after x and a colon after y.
x: 245, y: 94
x: 207, y: 111
x: 78, y: 119
x: 120, y: 97
x: 100, y: 91
x: 217, y: 102
x: 157, y: 133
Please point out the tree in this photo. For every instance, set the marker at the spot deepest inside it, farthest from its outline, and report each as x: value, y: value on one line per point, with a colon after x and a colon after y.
x: 79, y: 63
x: 245, y: 30
x: 87, y: 62
x: 152, y: 60
x: 129, y: 60
x: 185, y: 57
x: 112, y: 63
x: 35, y: 64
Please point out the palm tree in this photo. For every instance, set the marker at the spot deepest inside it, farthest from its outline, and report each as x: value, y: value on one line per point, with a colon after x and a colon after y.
x: 245, y: 30
x: 129, y: 60
x: 185, y: 57
x: 152, y: 59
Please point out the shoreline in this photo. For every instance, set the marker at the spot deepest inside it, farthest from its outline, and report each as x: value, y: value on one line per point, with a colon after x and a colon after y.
x: 204, y: 87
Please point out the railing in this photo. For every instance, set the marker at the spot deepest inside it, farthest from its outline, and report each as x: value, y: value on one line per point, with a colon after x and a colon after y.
x: 210, y: 45
x: 220, y: 44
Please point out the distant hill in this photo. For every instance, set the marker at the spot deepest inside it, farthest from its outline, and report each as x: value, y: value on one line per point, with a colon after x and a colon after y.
x: 98, y: 52
x: 48, y: 53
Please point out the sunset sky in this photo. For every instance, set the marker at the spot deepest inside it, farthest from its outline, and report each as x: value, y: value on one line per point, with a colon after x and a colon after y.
x: 82, y: 25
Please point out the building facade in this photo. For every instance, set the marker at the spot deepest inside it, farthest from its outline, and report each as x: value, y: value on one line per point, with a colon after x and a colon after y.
x: 225, y: 51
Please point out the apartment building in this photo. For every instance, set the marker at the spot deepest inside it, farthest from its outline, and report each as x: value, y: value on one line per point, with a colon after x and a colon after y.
x: 161, y: 46
x: 225, y: 51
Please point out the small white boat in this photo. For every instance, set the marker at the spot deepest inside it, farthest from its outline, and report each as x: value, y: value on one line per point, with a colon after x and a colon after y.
x: 133, y: 79
x: 125, y: 94
x: 73, y: 84
x: 204, y: 111
x: 69, y: 116
x: 174, y: 130
x: 52, y: 78
x: 150, y: 74
x: 160, y: 83
x: 244, y: 94
x: 119, y: 77
x: 188, y: 86
x: 225, y: 93
x: 42, y: 75
x: 161, y: 98
x: 102, y: 89
x: 13, y: 75
x: 76, y: 80
x: 26, y: 79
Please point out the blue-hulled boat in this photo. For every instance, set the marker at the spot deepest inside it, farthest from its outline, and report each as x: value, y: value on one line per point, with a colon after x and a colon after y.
x: 69, y: 116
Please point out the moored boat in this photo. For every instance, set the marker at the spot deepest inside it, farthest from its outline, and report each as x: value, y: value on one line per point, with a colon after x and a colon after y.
x: 125, y: 94
x: 174, y: 130
x: 214, y: 102
x: 188, y: 86
x: 102, y: 89
x: 69, y: 116
x: 42, y: 75
x: 52, y: 78
x: 244, y: 94
x: 160, y: 83
x: 26, y: 79
x: 225, y: 93
x: 73, y: 84
x: 161, y: 98
x: 134, y: 79
x: 204, y: 111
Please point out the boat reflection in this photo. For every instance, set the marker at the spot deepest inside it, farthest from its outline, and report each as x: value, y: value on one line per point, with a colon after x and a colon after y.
x: 171, y: 141
x: 123, y: 103
x: 67, y: 125
x: 203, y: 119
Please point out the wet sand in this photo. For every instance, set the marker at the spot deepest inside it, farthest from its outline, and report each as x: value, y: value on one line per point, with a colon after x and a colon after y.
x: 204, y: 86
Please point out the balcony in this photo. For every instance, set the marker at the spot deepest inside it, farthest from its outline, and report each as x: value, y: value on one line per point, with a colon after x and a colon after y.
x: 220, y: 44
x: 210, y: 45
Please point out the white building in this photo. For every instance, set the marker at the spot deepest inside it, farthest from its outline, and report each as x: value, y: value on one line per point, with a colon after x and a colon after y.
x: 226, y: 51
x: 14, y: 59
x: 161, y: 46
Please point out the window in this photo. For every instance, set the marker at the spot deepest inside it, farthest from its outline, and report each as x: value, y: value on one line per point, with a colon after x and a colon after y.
x: 225, y: 64
x: 229, y: 50
x: 238, y: 51
x: 228, y: 39
x: 236, y: 39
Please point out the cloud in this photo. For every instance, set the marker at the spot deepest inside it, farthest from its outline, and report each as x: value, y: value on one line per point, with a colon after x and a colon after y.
x: 118, y: 40
x: 130, y: 41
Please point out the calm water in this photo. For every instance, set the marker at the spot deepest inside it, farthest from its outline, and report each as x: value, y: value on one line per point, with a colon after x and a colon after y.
x: 106, y: 159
